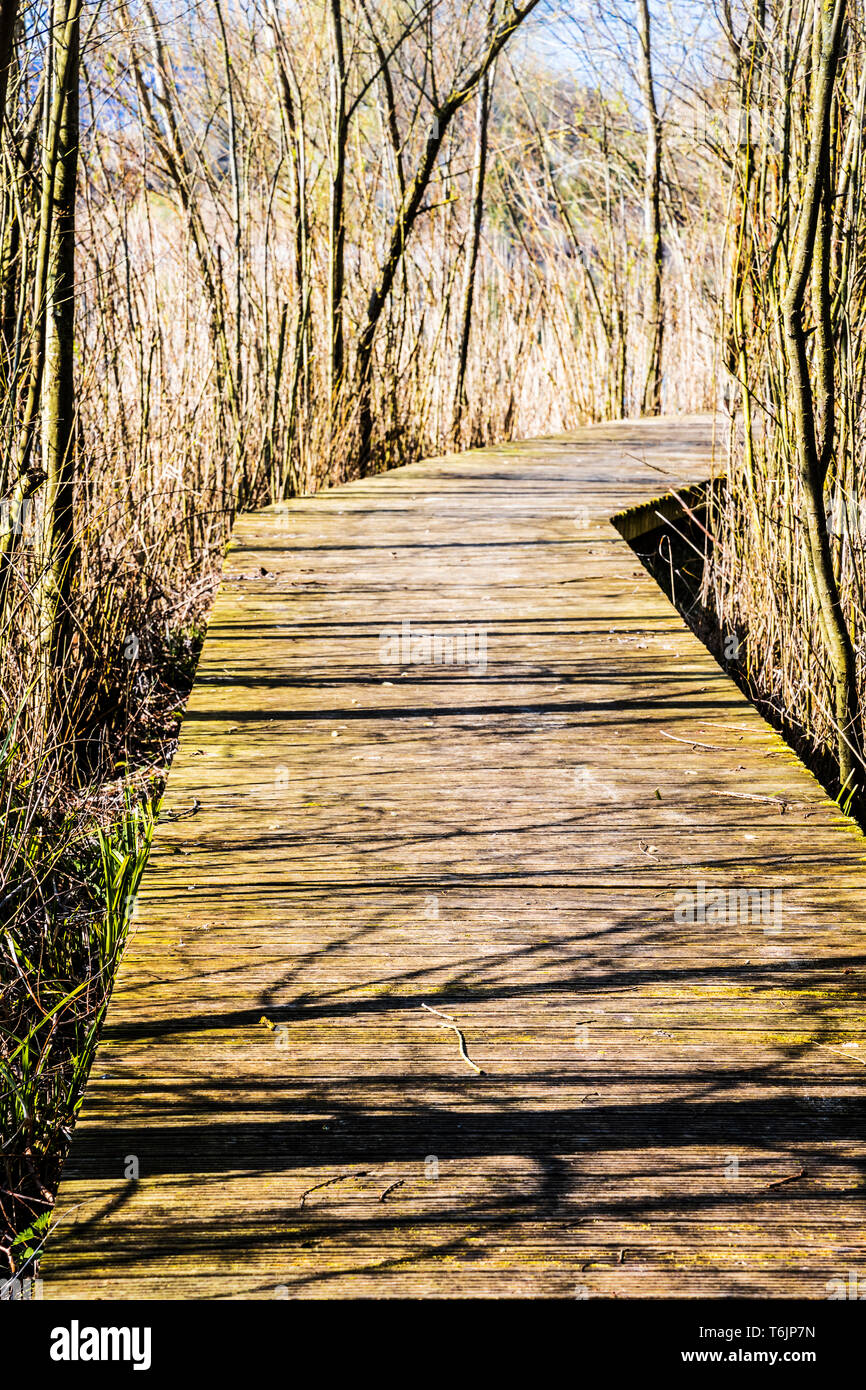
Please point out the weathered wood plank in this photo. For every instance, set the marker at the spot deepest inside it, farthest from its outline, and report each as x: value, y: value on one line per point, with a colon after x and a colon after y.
x: 504, y: 845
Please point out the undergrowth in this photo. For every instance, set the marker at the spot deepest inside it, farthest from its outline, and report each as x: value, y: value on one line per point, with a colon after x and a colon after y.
x: 67, y: 897
x: 71, y: 857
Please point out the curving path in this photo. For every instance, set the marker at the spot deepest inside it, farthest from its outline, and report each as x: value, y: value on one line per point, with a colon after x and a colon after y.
x: 665, y: 1107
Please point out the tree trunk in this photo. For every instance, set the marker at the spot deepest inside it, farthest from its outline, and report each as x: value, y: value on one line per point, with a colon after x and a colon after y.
x: 748, y: 57
x: 337, y: 246
x: 8, y: 16
x: 814, y: 406
x: 479, y: 176
x: 10, y: 237
x: 655, y: 251
x: 301, y: 354
x: 58, y: 414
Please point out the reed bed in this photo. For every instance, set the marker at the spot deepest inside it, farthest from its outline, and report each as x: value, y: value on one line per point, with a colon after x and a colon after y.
x: 763, y: 579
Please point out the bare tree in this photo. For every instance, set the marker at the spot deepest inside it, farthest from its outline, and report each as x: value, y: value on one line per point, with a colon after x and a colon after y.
x: 58, y: 405
x: 814, y: 394
x: 482, y: 122
x: 460, y: 92
x: 653, y: 226
x: 337, y: 248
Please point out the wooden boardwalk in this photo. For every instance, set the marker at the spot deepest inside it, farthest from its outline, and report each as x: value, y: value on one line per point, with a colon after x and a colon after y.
x: 665, y: 1107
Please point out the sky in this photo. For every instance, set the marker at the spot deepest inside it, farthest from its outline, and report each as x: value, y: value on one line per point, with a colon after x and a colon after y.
x: 598, y: 39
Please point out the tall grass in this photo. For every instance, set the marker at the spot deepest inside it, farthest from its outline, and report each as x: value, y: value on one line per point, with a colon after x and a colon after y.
x: 67, y: 886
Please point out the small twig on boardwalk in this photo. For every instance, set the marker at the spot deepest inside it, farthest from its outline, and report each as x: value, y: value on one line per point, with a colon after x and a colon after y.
x: 783, y: 1182
x: 449, y: 1023
x: 755, y: 796
x: 330, y: 1183
x: 693, y: 742
x: 182, y: 815
x: 665, y: 472
x: 398, y: 1183
x: 840, y: 1053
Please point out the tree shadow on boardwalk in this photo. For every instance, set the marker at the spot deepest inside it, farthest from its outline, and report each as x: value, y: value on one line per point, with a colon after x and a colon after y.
x: 616, y: 1140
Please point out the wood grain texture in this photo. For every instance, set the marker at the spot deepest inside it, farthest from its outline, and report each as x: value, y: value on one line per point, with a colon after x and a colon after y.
x: 504, y: 846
